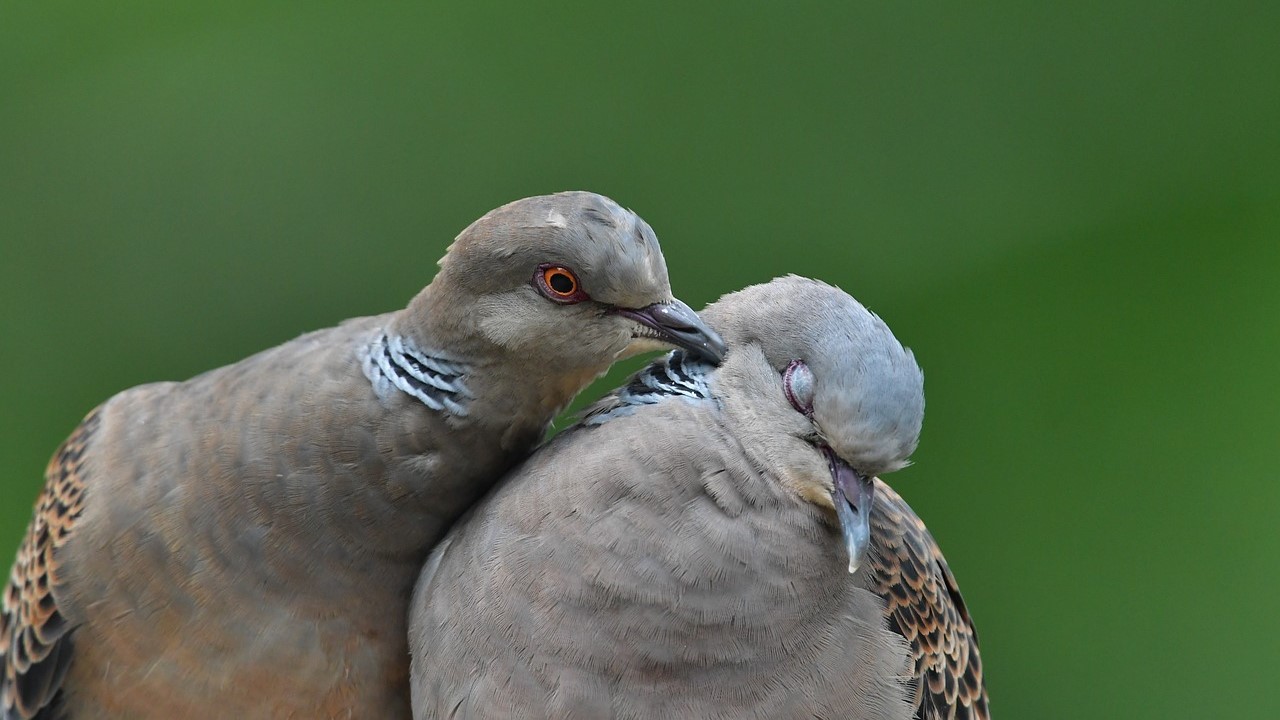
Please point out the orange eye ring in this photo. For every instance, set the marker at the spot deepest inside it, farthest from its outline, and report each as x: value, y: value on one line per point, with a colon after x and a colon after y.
x: 559, y: 283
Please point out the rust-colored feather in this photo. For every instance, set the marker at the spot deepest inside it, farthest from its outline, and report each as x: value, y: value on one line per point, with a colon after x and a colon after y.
x: 924, y: 605
x: 35, y: 639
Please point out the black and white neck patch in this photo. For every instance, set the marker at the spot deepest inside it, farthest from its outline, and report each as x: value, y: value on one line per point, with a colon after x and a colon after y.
x: 392, y: 362
x: 677, y: 375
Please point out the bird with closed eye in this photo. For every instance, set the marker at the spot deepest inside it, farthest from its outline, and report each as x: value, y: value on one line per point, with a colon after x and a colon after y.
x: 712, y: 542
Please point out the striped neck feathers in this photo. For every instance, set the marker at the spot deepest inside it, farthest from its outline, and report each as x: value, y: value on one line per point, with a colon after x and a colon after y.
x: 677, y: 375
x: 393, y: 363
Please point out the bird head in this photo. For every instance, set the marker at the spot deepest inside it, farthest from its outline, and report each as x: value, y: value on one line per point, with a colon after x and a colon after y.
x: 820, y: 393
x: 571, y: 279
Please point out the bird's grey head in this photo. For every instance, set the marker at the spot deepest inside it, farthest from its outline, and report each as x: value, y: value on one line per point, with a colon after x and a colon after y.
x: 571, y: 278
x: 821, y: 394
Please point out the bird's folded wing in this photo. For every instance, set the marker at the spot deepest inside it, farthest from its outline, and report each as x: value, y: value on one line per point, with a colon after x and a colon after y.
x: 923, y: 603
x: 35, y: 637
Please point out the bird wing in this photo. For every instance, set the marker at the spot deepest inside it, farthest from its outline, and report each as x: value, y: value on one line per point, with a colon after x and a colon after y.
x: 923, y: 603
x: 35, y: 637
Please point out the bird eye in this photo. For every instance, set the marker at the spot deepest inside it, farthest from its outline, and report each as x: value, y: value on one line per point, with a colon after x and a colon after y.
x: 797, y: 383
x: 559, y: 283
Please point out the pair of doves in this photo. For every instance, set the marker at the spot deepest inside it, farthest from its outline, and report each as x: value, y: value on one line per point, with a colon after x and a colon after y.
x: 281, y: 537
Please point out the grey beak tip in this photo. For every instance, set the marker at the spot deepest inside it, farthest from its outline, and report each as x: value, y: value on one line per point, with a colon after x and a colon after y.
x: 853, y: 494
x: 680, y: 325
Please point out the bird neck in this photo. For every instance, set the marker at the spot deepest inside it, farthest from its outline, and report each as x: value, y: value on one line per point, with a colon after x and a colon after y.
x: 522, y: 400
x: 427, y: 354
x: 395, y: 363
x: 435, y: 353
x: 674, y: 375
x: 431, y: 353
x: 441, y: 318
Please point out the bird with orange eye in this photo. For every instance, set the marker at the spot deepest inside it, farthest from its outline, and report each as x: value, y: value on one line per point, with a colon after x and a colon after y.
x: 559, y: 284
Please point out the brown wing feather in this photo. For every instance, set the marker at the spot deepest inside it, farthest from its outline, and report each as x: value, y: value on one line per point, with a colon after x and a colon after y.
x: 924, y: 605
x: 35, y: 639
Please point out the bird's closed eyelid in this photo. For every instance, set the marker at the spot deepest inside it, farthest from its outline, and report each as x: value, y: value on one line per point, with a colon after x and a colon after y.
x: 797, y: 383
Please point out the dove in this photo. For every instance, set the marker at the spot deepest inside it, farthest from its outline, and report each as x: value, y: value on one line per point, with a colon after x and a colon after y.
x: 245, y: 543
x: 711, y: 542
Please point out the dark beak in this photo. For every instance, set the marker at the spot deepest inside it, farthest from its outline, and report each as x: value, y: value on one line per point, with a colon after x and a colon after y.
x: 676, y: 323
x: 853, y: 494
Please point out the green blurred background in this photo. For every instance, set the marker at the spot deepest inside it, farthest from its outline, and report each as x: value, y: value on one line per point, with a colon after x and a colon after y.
x: 1070, y: 211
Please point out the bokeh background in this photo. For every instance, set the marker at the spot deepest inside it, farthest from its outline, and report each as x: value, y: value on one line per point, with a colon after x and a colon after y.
x: 1069, y: 210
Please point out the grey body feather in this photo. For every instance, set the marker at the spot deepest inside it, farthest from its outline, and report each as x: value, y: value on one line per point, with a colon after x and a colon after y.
x: 676, y: 555
x: 644, y: 568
